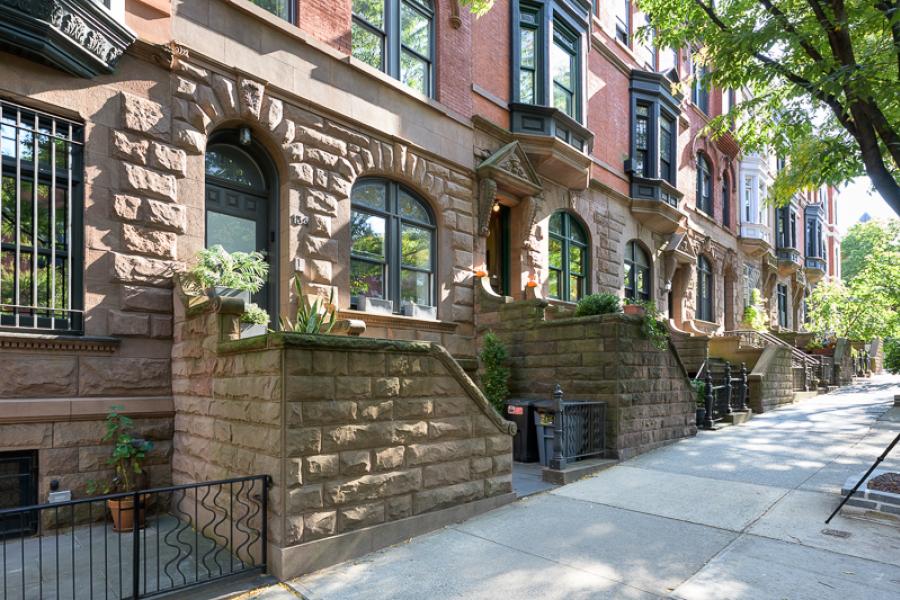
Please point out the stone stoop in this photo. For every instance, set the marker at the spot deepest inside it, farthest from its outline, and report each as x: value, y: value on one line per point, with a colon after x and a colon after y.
x: 577, y: 470
x: 800, y: 396
x: 739, y: 417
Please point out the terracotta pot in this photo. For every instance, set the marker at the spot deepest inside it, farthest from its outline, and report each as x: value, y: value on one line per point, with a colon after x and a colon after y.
x: 122, y: 511
x: 634, y: 309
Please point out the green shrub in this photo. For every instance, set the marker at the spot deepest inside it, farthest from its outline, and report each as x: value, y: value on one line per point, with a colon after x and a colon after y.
x: 892, y: 355
x: 254, y: 315
x: 755, y: 314
x: 311, y: 317
x: 215, y: 266
x: 598, y: 304
x: 700, y: 392
x: 495, y: 377
x: 653, y: 326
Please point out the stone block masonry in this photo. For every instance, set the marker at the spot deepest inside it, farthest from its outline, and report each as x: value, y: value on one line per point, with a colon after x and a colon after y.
x: 357, y: 433
x: 648, y: 395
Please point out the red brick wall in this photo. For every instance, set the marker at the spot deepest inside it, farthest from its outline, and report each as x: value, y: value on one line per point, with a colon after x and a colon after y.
x: 326, y: 20
x: 491, y: 55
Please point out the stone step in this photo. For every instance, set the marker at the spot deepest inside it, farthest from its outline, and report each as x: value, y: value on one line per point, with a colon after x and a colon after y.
x: 739, y: 417
x: 577, y: 470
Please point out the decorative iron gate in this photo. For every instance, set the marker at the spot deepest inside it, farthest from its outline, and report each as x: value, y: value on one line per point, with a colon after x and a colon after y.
x: 136, y: 545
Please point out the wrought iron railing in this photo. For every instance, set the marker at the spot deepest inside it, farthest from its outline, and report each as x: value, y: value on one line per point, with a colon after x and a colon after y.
x: 724, y: 393
x: 137, y: 544
x: 578, y: 429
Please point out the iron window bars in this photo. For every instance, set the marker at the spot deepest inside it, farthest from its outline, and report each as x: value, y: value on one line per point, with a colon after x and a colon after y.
x: 41, y: 203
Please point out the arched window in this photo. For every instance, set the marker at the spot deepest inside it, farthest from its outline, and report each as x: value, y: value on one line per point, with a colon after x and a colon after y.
x: 704, y: 289
x: 397, y: 37
x: 637, y: 272
x: 704, y: 185
x: 568, y: 258
x: 392, y: 255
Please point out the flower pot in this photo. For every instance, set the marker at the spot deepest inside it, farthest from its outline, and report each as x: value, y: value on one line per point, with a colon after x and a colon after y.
x: 701, y: 416
x: 634, y: 309
x: 122, y: 511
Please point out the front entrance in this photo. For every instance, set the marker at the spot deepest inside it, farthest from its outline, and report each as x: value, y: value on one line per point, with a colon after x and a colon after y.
x: 498, y: 249
x: 239, y: 213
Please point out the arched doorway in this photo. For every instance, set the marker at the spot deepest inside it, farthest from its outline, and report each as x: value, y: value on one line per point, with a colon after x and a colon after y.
x: 240, y: 211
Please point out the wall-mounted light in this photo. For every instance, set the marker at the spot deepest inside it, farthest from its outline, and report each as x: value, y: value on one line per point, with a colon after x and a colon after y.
x: 244, y: 136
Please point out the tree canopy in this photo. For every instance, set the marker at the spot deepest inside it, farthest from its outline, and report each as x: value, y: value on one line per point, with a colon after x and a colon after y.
x: 866, y: 304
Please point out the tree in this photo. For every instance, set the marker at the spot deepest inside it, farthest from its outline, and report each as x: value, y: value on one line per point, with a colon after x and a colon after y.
x: 860, y: 241
x: 867, y: 305
x: 822, y: 75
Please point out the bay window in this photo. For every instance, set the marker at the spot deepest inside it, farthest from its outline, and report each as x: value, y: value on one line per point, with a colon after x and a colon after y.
x: 564, y: 65
x: 654, y: 138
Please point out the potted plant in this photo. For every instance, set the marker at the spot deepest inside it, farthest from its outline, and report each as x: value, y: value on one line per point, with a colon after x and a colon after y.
x: 634, y: 307
x: 254, y: 320
x: 226, y: 273
x: 128, y: 454
x: 598, y: 304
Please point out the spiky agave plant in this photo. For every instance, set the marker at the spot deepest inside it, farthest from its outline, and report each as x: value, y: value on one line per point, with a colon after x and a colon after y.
x: 312, y: 317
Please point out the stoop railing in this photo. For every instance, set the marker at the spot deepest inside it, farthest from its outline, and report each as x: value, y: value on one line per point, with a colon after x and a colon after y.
x: 726, y: 397
x: 578, y: 430
x: 160, y: 540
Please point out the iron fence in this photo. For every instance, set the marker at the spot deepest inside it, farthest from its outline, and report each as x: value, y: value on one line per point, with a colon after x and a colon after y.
x: 578, y: 429
x: 137, y: 544
x: 726, y: 397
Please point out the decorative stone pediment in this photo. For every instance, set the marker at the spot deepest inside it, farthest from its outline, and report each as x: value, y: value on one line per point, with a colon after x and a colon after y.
x: 677, y: 251
x: 80, y: 37
x: 509, y: 171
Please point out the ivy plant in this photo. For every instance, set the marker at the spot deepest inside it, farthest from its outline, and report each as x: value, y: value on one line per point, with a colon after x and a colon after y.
x: 495, y: 377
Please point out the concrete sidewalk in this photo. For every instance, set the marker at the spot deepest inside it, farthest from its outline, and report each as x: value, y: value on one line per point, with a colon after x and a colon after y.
x: 733, y: 514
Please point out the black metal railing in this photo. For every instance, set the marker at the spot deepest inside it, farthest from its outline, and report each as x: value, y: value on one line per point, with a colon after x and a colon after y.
x: 724, y: 393
x: 578, y: 429
x: 136, y: 544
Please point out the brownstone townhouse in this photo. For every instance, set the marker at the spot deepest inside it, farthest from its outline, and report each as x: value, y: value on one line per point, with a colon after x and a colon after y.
x: 537, y: 154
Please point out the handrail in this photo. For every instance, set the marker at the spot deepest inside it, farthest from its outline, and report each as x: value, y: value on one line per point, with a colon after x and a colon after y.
x: 768, y: 337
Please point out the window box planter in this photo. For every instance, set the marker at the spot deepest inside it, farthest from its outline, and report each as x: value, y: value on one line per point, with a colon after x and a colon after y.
x: 375, y: 305
x: 227, y: 292
x: 419, y: 311
x: 252, y: 330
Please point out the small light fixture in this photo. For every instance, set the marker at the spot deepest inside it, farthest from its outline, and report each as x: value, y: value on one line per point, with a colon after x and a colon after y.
x: 244, y: 136
x: 496, y: 207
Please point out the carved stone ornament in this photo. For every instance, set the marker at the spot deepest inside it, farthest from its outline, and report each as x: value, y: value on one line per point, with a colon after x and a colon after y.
x: 507, y: 170
x: 81, y: 37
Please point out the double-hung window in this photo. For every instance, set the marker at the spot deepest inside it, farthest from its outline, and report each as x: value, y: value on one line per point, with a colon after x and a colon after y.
x: 704, y: 185
x: 666, y: 148
x: 654, y: 138
x: 623, y: 21
x: 397, y: 37
x: 726, y: 202
x: 637, y: 272
x: 392, y: 252
x: 699, y: 88
x: 564, y: 69
x: 782, y: 305
x: 41, y: 236
x: 282, y: 8
x: 529, y: 55
x: 704, y: 289
x: 568, y: 258
x: 642, y: 140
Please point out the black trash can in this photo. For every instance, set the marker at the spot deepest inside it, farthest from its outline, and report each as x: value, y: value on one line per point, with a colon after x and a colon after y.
x: 543, y: 429
x: 525, y: 445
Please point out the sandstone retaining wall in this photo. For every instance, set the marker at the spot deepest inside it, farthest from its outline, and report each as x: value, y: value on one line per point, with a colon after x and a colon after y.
x: 649, y: 398
x: 356, y: 433
x: 771, y: 380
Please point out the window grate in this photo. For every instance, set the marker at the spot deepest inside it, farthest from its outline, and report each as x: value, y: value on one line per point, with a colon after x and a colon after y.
x: 40, y: 236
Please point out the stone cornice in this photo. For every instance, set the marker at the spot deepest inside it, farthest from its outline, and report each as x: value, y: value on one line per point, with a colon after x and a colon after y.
x: 51, y: 410
x: 57, y: 343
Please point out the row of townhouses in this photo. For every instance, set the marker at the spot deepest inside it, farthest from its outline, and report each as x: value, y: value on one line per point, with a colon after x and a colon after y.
x: 425, y: 165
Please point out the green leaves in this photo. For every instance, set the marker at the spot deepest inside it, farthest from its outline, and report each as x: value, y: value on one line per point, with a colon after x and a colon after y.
x: 215, y: 266
x: 598, y: 304
x: 495, y: 376
x: 312, y: 316
x: 128, y: 454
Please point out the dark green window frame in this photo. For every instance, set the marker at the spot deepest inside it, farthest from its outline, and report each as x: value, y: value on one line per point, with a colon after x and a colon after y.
x: 553, y: 28
x: 704, y: 185
x: 394, y: 49
x: 704, y: 289
x: 637, y: 272
x: 782, y: 305
x: 286, y: 9
x: 566, y: 281
x: 393, y: 267
x: 42, y: 237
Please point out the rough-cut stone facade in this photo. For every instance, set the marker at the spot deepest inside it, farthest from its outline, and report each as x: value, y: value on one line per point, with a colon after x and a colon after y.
x: 771, y: 380
x: 355, y: 433
x: 648, y: 395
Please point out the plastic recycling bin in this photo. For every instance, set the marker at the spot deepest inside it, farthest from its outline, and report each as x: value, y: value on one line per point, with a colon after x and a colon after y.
x: 525, y: 443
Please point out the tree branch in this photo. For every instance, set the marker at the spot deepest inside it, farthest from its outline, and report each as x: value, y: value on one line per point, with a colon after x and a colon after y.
x: 890, y: 10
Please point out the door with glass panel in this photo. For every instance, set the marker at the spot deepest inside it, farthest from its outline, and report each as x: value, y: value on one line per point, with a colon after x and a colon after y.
x: 237, y: 208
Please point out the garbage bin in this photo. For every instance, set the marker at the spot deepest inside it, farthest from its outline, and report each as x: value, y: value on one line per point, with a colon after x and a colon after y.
x: 543, y: 425
x: 525, y: 446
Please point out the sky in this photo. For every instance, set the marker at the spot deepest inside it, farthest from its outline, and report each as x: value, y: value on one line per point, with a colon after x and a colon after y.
x: 858, y: 198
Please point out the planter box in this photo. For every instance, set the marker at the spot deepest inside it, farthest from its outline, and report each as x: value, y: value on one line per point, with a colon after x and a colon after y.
x: 419, y: 311
x: 634, y: 309
x: 252, y: 330
x: 230, y: 293
x: 375, y: 305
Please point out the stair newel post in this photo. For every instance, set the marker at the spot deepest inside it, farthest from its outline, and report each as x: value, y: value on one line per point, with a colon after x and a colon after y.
x: 728, y: 388
x: 807, y: 376
x: 708, y: 401
x: 745, y: 387
x: 867, y: 361
x: 558, y: 461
